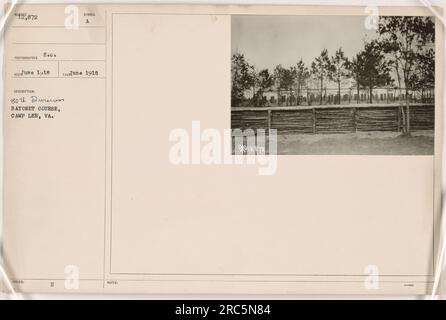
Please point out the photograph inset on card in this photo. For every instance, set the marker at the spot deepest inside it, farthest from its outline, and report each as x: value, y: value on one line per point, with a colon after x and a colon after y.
x: 345, y: 85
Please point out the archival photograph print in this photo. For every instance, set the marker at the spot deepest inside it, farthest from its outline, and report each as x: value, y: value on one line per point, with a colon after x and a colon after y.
x: 340, y: 85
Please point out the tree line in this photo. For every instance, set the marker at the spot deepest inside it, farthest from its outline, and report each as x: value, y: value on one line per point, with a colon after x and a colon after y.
x: 403, y: 55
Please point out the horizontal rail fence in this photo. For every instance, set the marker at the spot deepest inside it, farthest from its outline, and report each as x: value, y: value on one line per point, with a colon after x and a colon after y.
x: 329, y: 119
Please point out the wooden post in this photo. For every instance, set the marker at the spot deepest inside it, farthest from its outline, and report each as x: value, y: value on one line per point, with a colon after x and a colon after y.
x: 408, y: 117
x: 399, y: 119
x: 314, y: 121
x: 354, y: 119
x: 269, y: 120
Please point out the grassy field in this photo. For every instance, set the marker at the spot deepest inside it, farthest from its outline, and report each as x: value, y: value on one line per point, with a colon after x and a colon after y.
x: 360, y: 143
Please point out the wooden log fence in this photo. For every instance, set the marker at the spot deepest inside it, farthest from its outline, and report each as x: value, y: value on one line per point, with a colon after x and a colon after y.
x: 333, y: 119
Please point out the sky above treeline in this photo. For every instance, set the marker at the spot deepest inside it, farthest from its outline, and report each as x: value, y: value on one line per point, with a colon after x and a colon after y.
x: 267, y: 41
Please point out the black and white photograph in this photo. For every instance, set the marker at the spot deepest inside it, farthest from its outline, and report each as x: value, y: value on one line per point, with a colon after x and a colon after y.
x: 342, y: 85
x: 224, y: 159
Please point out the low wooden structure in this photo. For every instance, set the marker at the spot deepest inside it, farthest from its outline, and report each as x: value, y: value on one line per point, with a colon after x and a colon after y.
x: 334, y: 118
